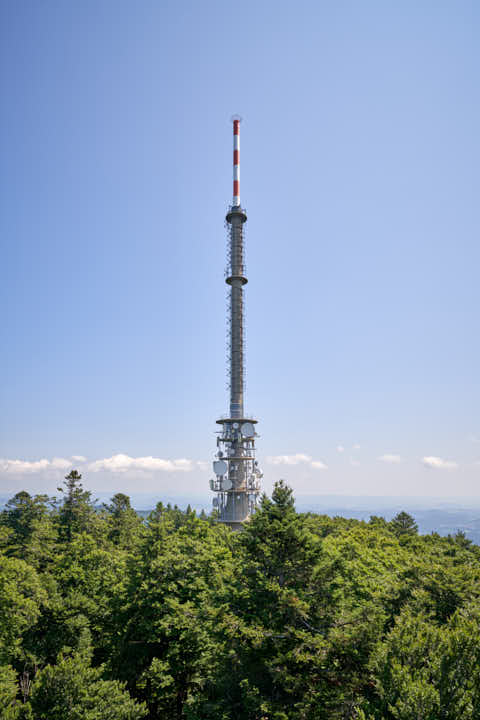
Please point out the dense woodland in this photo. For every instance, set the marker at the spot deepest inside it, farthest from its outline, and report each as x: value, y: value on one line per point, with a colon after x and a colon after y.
x: 106, y: 616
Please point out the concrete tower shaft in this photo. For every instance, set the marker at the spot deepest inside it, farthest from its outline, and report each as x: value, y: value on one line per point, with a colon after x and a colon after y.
x: 236, y: 279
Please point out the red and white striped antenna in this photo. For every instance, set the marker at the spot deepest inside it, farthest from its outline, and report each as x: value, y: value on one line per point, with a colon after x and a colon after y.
x: 236, y: 119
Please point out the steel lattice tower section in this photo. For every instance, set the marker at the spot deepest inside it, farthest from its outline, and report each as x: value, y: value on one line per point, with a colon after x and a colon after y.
x: 237, y: 476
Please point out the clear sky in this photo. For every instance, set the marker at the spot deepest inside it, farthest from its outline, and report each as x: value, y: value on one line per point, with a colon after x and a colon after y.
x: 360, y: 175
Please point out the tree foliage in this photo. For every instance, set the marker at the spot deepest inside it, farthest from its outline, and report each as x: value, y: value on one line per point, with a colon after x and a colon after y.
x: 299, y: 617
x: 73, y: 689
x: 404, y: 524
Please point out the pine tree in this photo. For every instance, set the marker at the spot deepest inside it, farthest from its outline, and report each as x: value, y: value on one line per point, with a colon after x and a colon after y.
x: 125, y: 524
x: 32, y: 533
x: 74, y: 690
x: 77, y: 513
x: 404, y: 524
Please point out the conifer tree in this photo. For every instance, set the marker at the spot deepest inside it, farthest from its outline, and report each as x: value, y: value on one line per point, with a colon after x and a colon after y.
x: 76, y: 512
x: 404, y: 524
x: 32, y: 533
x: 74, y: 690
x: 125, y: 524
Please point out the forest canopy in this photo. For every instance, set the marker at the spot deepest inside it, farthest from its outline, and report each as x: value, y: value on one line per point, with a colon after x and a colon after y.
x: 105, y: 615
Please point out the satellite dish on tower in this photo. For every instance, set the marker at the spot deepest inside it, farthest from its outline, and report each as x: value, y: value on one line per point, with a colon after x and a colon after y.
x: 226, y: 483
x: 220, y: 467
x: 248, y: 430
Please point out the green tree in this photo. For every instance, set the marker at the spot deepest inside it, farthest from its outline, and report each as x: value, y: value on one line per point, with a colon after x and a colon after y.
x: 403, y: 524
x: 461, y: 539
x: 76, y: 513
x: 21, y: 598
x: 32, y: 532
x: 125, y: 526
x: 274, y: 659
x: 74, y: 690
x: 21, y: 512
x: 378, y: 521
x: 428, y: 671
x: 169, y: 649
x: 9, y: 703
x: 87, y: 591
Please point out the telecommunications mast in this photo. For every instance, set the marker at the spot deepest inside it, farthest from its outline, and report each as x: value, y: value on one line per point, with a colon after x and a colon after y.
x: 237, y: 475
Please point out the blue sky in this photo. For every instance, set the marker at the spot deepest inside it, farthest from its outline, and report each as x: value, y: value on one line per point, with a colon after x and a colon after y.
x: 360, y: 157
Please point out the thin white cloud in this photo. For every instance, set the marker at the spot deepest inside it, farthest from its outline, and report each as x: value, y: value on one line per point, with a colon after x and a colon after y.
x: 288, y: 459
x: 116, y: 463
x: 297, y: 459
x: 390, y: 458
x: 122, y: 463
x: 438, y: 463
x: 340, y: 448
x: 24, y: 466
x: 61, y: 463
x: 319, y: 465
x: 18, y: 467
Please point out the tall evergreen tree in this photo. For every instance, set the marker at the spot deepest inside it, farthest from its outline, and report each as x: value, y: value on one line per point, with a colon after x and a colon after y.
x: 404, y: 524
x: 125, y: 525
x: 77, y: 513
x: 73, y: 690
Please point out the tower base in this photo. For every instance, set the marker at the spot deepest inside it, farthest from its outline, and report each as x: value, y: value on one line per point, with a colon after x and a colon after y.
x: 234, y: 526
